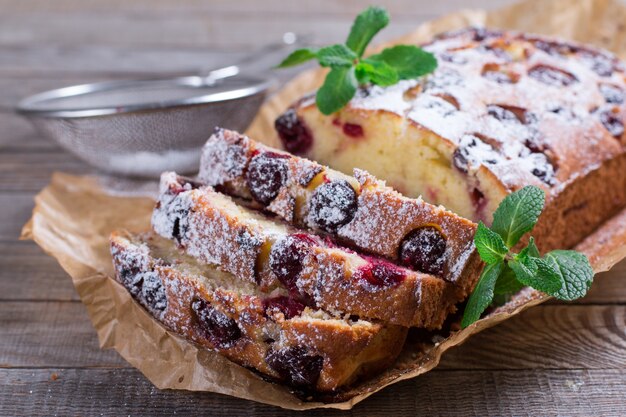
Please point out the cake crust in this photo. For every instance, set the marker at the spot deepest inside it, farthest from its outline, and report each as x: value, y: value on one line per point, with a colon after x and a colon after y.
x: 312, y: 268
x: 502, y: 110
x: 311, y: 350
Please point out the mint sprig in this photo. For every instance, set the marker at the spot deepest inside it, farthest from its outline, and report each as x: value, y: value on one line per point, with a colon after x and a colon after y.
x: 563, y: 274
x: 349, y: 69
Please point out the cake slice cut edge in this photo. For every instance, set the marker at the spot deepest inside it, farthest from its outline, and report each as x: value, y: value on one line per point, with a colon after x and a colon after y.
x: 359, y: 211
x: 270, y: 253
x: 271, y: 333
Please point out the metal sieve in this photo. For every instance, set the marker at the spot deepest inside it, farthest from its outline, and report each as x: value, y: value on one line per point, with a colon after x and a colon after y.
x: 147, y: 126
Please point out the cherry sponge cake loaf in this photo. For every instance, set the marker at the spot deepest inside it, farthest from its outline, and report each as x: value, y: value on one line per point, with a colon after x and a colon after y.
x: 262, y: 250
x: 359, y: 211
x: 501, y: 111
x: 272, y: 333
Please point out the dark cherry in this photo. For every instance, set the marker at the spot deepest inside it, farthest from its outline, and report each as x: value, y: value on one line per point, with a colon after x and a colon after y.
x: 266, y: 173
x: 132, y: 279
x: 551, y: 75
x: 612, y: 94
x: 459, y: 159
x: 380, y: 273
x: 612, y: 123
x: 286, y: 257
x: 153, y: 292
x: 289, y: 306
x: 499, y: 77
x: 507, y: 113
x: 599, y: 63
x: 293, y: 132
x: 424, y: 249
x: 333, y: 204
x: 353, y: 130
x: 218, y: 327
x: 295, y: 365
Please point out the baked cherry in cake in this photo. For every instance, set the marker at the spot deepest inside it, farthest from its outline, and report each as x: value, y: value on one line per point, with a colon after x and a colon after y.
x: 295, y: 365
x: 333, y: 204
x: 222, y: 329
x: 287, y: 258
x: 424, y: 250
x: 266, y: 173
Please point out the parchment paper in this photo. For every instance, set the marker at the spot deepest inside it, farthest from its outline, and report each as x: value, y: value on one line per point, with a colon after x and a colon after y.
x: 73, y: 217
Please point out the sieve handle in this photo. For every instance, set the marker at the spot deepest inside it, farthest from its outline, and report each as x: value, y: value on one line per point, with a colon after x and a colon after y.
x: 262, y: 60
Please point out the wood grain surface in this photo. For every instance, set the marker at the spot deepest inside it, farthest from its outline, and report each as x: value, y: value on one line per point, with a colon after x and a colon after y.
x: 555, y: 359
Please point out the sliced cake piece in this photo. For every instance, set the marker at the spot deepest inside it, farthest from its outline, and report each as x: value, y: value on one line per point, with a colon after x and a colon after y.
x: 501, y: 111
x: 263, y: 250
x: 359, y: 211
x: 272, y: 333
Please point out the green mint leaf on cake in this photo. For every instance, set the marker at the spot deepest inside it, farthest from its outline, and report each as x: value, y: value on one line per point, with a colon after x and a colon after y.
x: 336, y: 56
x: 376, y: 72
x: 482, y: 295
x: 574, y: 272
x: 489, y: 245
x: 563, y: 274
x: 517, y: 214
x: 365, y: 27
x: 409, y: 61
x: 337, y: 91
x: 507, y: 282
x: 299, y: 56
x: 400, y: 62
x: 536, y: 273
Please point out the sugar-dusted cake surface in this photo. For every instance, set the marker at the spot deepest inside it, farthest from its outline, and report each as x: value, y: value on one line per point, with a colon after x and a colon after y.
x: 263, y: 250
x: 359, y: 211
x: 269, y: 332
x: 502, y: 110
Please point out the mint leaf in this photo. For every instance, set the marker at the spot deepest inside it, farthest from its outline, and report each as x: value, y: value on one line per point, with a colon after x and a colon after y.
x: 482, y: 295
x: 518, y: 213
x: 299, y: 56
x: 507, y: 282
x: 365, y: 27
x: 376, y: 72
x: 489, y: 244
x: 536, y: 273
x: 339, y: 87
x: 530, y: 250
x: 336, y: 56
x: 409, y: 61
x: 574, y: 272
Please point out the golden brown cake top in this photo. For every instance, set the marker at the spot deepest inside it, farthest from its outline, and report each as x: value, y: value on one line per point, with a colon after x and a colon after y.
x: 533, y: 110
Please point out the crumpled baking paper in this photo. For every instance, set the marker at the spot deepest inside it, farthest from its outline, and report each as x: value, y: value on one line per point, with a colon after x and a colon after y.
x: 74, y: 215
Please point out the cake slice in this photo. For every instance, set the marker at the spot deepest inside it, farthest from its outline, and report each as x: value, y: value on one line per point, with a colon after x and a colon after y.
x: 501, y: 111
x: 272, y: 333
x: 358, y: 211
x: 262, y: 250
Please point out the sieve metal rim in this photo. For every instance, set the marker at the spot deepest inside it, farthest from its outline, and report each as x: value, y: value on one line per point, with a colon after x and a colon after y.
x: 28, y: 106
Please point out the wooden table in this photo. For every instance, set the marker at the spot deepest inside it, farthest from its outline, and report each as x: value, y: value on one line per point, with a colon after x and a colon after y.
x: 567, y: 359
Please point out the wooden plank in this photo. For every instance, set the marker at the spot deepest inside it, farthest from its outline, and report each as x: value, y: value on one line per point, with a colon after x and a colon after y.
x: 50, y: 334
x: 44, y: 392
x: 562, y: 337
x: 31, y: 171
x: 90, y: 63
x: 16, y: 209
x: 321, y: 8
x: 27, y: 273
x: 18, y: 135
x: 237, y: 30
